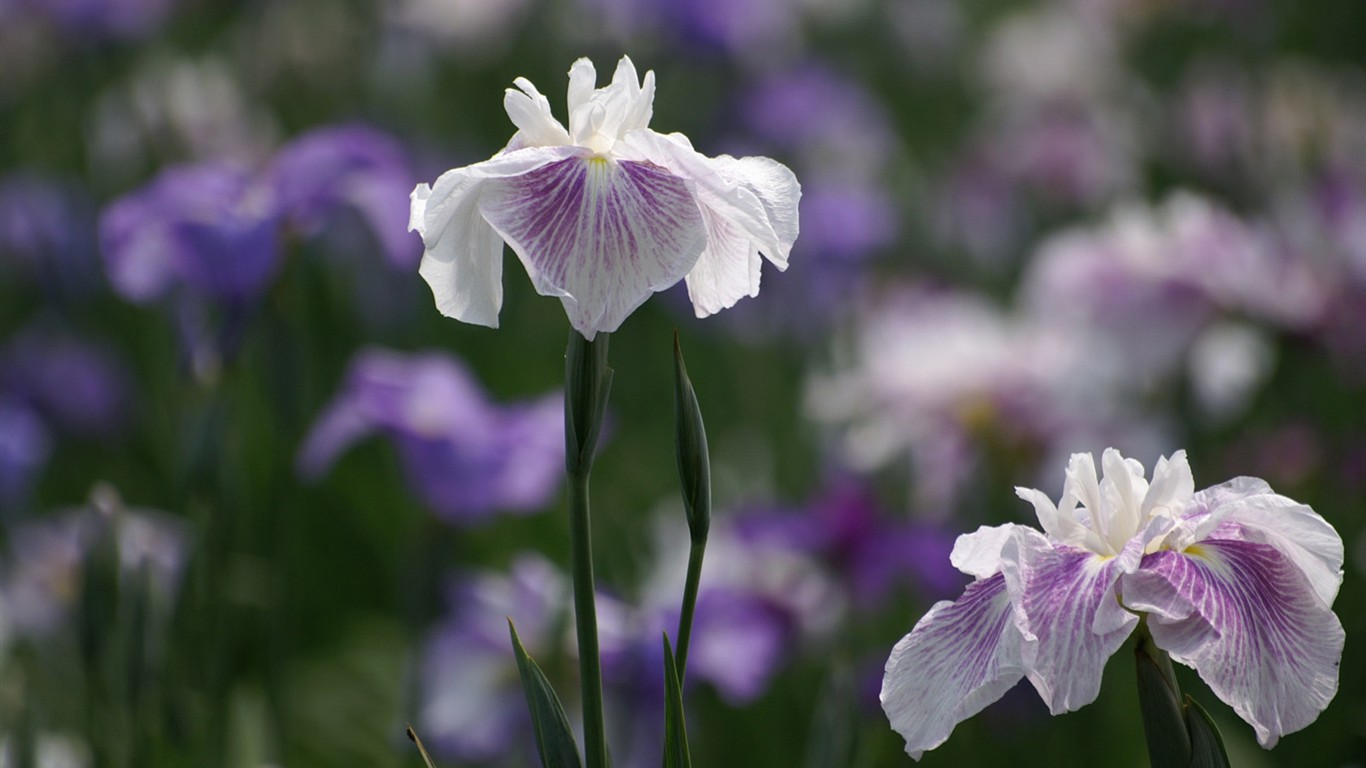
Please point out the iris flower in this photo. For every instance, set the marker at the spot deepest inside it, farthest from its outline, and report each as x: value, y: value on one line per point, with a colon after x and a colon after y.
x: 1235, y: 581
x: 602, y: 214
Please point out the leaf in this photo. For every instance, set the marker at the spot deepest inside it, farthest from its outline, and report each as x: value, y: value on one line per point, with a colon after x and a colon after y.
x: 1207, y: 745
x: 675, y: 727
x: 554, y: 737
x: 426, y: 758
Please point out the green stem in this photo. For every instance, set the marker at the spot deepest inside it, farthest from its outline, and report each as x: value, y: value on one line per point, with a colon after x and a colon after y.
x: 689, y: 604
x: 587, y: 382
x: 1164, y: 722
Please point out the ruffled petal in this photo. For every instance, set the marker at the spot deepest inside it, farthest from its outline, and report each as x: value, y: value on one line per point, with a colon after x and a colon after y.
x: 463, y: 260
x: 1261, y: 516
x: 979, y: 553
x: 1246, y: 618
x: 600, y: 234
x: 1172, y: 486
x: 751, y: 209
x: 529, y: 110
x: 1066, y: 608
x: 961, y: 656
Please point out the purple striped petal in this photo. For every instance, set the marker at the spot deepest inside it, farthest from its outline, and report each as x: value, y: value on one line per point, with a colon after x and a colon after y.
x: 962, y: 656
x: 1245, y: 617
x: 1067, y: 610
x: 600, y: 234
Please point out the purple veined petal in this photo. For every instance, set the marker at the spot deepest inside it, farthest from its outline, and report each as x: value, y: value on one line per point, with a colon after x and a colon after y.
x: 751, y: 206
x: 463, y: 261
x: 1066, y: 609
x: 599, y: 233
x: 961, y: 656
x: 1244, y: 616
x: 979, y: 553
x: 1265, y: 517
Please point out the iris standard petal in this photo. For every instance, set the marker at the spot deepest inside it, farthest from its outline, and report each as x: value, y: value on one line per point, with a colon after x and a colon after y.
x: 1065, y: 607
x: 1246, y: 618
x: 600, y: 234
x: 961, y: 656
x: 529, y: 110
x: 463, y: 260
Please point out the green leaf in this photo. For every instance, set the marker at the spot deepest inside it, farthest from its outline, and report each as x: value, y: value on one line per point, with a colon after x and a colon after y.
x: 675, y: 727
x: 554, y: 737
x: 426, y: 758
x: 694, y: 465
x: 1207, y: 744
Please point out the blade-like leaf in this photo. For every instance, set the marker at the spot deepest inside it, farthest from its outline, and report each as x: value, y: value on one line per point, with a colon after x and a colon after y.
x: 675, y: 727
x: 1207, y: 744
x: 426, y: 758
x: 554, y: 737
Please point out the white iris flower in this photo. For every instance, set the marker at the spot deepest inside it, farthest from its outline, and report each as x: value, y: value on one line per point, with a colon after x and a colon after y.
x: 602, y: 214
x: 1236, y: 582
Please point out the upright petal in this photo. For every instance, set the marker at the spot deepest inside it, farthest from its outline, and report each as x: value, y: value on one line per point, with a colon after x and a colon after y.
x: 1172, y: 486
x: 961, y: 656
x: 1246, y: 618
x: 979, y: 553
x: 1066, y: 609
x: 600, y: 234
x: 583, y: 78
x: 529, y: 110
x: 463, y: 261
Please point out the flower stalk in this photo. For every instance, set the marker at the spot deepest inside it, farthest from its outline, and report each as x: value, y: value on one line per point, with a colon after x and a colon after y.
x: 588, y: 381
x: 694, y: 473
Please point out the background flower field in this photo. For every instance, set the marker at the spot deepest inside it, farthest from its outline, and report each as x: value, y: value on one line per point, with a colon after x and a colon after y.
x: 260, y: 504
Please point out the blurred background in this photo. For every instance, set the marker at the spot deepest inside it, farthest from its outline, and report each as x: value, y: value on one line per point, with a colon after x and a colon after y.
x: 260, y: 505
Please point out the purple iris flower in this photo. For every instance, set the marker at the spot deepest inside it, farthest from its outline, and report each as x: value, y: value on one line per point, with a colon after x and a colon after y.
x: 100, y: 19
x: 76, y: 386
x: 472, y: 705
x: 25, y: 445
x: 1235, y: 581
x: 466, y: 457
x: 216, y: 229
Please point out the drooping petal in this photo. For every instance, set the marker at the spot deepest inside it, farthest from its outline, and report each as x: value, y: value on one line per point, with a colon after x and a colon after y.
x: 1066, y: 609
x: 979, y: 553
x: 751, y: 209
x: 1265, y: 517
x: 961, y: 656
x: 600, y: 234
x: 1246, y: 618
x: 463, y: 261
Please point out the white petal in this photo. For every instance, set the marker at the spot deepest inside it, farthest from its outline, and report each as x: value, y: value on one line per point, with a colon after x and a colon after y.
x: 1172, y: 486
x: 1059, y: 527
x: 1065, y: 607
x: 1296, y: 530
x: 1243, y: 615
x: 600, y: 234
x: 752, y: 209
x: 529, y: 110
x: 962, y: 656
x: 979, y: 553
x: 583, y: 78
x: 463, y: 260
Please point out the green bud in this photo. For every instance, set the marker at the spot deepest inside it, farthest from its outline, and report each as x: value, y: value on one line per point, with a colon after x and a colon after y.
x: 694, y: 466
x: 587, y: 383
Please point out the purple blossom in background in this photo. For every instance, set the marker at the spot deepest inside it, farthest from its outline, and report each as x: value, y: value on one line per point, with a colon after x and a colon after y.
x: 78, y: 387
x: 216, y: 229
x: 466, y: 457
x: 25, y: 446
x: 472, y: 705
x: 98, y: 19
x: 353, y: 167
x: 207, y: 227
x: 47, y: 233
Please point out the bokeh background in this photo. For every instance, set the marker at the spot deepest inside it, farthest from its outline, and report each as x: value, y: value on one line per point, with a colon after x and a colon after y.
x: 260, y: 505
